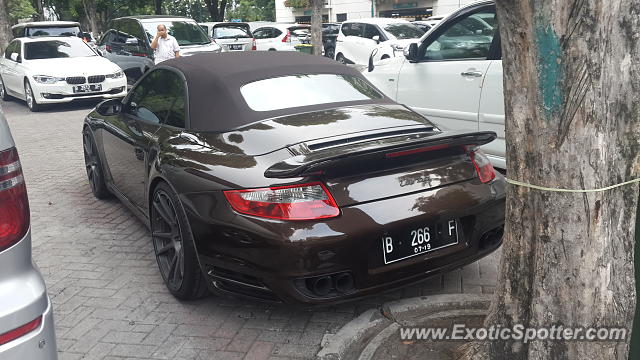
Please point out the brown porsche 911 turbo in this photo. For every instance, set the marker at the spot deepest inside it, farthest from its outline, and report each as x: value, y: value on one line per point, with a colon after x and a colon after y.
x: 288, y: 177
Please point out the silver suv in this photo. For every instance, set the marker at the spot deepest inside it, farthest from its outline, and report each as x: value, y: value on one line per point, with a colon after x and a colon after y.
x: 26, y: 317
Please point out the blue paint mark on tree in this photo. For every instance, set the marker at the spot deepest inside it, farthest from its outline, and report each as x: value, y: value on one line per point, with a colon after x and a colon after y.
x: 550, y: 69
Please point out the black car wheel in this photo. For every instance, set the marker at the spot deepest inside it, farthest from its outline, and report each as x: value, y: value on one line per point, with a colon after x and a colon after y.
x: 174, y: 246
x: 94, y: 167
x: 330, y: 52
x: 30, y: 97
x: 3, y: 91
x: 341, y: 59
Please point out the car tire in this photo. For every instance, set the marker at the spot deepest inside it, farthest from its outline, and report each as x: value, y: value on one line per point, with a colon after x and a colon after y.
x: 330, y: 52
x: 341, y: 59
x: 174, y: 246
x: 30, y: 97
x: 385, y: 57
x: 272, y: 49
x: 93, y: 165
x: 3, y: 91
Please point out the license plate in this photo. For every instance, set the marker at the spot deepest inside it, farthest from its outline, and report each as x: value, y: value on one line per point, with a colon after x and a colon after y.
x: 87, y: 88
x: 235, y: 47
x: 418, y: 240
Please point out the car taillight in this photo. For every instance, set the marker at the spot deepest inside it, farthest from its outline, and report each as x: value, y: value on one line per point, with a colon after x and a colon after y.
x: 483, y: 166
x: 253, y: 44
x: 14, y: 205
x: 287, y: 38
x: 294, y: 202
x: 21, y: 331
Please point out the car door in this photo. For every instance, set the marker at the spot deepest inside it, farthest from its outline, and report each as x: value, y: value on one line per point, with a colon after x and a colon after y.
x: 353, y: 35
x: 12, y: 70
x: 445, y: 83
x: 127, y: 138
x: 262, y: 36
x: 367, y: 43
x: 491, y: 113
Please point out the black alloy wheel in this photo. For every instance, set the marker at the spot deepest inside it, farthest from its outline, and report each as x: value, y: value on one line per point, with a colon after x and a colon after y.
x: 174, y: 246
x: 93, y: 166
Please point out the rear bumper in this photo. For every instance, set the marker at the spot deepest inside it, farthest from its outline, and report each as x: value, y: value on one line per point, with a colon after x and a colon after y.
x: 271, y: 260
x: 37, y: 345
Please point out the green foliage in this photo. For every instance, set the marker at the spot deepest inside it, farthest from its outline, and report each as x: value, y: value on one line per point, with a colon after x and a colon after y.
x: 252, y: 10
x: 20, y: 9
x: 195, y: 9
x: 297, y: 4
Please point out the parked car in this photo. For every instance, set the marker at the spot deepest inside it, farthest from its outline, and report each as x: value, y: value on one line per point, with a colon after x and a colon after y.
x: 48, y: 70
x: 46, y: 28
x: 280, y: 37
x: 128, y: 41
x: 329, y: 193
x: 434, y: 20
x: 26, y: 316
x: 329, y: 35
x: 232, y: 36
x: 358, y: 38
x: 453, y: 76
x: 423, y: 25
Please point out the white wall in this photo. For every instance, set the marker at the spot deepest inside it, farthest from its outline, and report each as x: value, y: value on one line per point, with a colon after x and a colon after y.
x: 443, y: 7
x: 355, y: 9
x: 283, y: 13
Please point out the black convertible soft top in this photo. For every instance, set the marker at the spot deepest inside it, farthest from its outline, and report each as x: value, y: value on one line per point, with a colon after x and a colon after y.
x: 214, y: 82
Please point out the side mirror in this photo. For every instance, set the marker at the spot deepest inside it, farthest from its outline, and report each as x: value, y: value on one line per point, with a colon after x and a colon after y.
x: 109, y: 107
x: 131, y: 41
x: 99, y: 52
x: 15, y: 57
x: 411, y: 52
x: 376, y: 38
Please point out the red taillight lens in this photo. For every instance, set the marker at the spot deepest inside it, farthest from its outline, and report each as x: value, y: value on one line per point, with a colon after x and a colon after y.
x: 21, y: 331
x: 483, y: 166
x: 14, y: 205
x: 287, y: 38
x: 294, y: 202
x: 253, y: 44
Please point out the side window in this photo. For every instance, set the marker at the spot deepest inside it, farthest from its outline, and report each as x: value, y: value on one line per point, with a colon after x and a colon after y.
x: 275, y: 33
x: 11, y: 49
x: 370, y: 31
x: 353, y: 29
x: 177, y: 99
x: 260, y: 33
x: 468, y: 37
x: 151, y: 100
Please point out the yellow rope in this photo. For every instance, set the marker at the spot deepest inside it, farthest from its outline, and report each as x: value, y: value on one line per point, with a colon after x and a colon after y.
x: 543, y: 188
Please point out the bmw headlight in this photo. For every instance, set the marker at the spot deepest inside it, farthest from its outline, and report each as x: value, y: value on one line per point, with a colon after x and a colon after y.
x: 116, y: 75
x: 45, y: 79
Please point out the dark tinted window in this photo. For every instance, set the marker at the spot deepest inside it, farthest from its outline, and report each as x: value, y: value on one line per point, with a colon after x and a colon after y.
x: 53, y: 31
x: 185, y: 32
x: 370, y: 31
x: 159, y: 98
x: 275, y: 33
x: 262, y: 33
x: 467, y: 37
x: 133, y: 29
x: 352, y: 29
x: 230, y: 32
x: 56, y: 49
x: 341, y: 17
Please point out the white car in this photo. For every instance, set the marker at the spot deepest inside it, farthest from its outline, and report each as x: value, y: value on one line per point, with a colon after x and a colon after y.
x: 358, y: 38
x: 47, y: 70
x: 280, y: 37
x: 453, y: 76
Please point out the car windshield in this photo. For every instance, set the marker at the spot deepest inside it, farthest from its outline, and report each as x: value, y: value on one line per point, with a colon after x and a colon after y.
x: 53, y: 31
x: 305, y: 90
x: 53, y: 49
x: 404, y: 31
x: 230, y: 32
x: 185, y: 32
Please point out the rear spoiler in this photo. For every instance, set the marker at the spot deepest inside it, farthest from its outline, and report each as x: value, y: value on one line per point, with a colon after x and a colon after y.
x: 313, y: 162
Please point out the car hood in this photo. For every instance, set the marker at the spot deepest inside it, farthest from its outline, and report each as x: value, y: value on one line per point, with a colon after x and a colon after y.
x: 275, y: 134
x: 187, y: 50
x: 80, y: 66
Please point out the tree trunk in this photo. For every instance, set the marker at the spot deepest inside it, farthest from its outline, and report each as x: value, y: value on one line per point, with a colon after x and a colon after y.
x: 316, y: 26
x: 571, y: 83
x: 158, y: 6
x: 40, y: 9
x: 5, y: 28
x: 91, y: 12
x: 216, y: 10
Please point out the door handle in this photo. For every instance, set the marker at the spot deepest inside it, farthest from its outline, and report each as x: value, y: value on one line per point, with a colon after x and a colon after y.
x: 471, y: 73
x: 139, y: 153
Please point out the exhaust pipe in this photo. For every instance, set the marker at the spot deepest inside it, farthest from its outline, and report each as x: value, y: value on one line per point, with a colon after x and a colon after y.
x: 344, y: 282
x: 321, y: 286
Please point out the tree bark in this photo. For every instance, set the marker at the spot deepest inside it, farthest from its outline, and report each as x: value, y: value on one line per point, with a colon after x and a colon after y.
x: 216, y: 10
x: 91, y: 12
x: 40, y: 9
x: 5, y: 28
x: 571, y: 83
x: 316, y: 26
x: 158, y: 6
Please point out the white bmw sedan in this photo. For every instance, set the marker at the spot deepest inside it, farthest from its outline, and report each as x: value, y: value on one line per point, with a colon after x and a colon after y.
x: 46, y: 70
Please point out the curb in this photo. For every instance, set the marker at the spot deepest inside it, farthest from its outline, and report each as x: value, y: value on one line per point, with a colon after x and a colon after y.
x: 361, y: 337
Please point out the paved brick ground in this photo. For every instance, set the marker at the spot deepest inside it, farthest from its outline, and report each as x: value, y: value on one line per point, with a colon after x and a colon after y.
x: 109, y: 300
